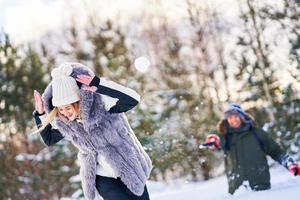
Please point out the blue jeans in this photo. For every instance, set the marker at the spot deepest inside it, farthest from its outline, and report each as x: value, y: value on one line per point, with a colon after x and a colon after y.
x: 114, y: 189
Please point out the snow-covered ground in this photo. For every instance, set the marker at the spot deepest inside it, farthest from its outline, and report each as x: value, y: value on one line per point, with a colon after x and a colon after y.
x: 283, y: 186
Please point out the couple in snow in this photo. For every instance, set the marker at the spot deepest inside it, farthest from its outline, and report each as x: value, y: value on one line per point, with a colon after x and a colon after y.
x: 89, y: 111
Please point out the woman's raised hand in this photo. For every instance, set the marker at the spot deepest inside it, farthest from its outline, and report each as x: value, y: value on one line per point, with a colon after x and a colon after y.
x: 85, y: 79
x: 88, y: 82
x: 38, y: 101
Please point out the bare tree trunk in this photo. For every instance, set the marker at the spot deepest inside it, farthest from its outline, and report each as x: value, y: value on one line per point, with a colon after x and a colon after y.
x: 262, y: 59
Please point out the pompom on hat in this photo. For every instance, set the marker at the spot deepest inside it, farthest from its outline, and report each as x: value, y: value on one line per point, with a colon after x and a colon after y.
x: 64, y: 87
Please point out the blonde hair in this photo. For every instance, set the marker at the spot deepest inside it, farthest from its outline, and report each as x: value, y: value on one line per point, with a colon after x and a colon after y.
x: 50, y: 117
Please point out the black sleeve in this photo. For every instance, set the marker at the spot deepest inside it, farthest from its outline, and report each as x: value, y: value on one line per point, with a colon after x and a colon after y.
x: 127, y: 98
x: 51, y: 136
x: 37, y: 119
x: 124, y: 103
x: 270, y: 147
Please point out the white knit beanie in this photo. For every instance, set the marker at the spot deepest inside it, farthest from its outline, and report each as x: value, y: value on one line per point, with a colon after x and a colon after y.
x: 64, y: 88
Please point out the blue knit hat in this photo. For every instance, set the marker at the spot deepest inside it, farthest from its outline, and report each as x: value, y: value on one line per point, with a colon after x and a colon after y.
x: 235, y: 109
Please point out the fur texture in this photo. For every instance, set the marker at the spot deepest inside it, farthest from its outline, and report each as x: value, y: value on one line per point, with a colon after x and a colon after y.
x: 107, y: 134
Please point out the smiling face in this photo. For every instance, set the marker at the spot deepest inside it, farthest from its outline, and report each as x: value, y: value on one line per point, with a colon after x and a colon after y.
x: 69, y: 111
x: 234, y: 121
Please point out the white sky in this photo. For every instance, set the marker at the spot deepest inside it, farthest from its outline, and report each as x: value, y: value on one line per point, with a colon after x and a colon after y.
x: 28, y: 20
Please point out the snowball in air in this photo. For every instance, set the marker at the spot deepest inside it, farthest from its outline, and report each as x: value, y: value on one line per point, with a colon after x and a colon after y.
x: 142, y: 64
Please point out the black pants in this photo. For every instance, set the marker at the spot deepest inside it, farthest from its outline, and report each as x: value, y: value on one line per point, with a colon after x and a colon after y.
x: 114, y: 189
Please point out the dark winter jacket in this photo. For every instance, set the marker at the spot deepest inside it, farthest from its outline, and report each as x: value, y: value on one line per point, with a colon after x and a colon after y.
x: 108, y: 134
x: 245, y: 152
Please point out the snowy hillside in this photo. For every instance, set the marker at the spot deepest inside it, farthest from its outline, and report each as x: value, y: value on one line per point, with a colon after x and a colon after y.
x: 284, y: 186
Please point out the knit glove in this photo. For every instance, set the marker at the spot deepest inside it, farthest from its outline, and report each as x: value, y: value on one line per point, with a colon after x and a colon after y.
x: 212, y: 141
x: 294, y: 169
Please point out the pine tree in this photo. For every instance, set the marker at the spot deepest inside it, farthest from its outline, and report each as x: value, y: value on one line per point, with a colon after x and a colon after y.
x: 25, y: 166
x: 260, y: 70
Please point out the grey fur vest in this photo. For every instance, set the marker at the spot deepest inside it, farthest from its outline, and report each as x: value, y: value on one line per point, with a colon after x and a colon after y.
x: 110, y: 135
